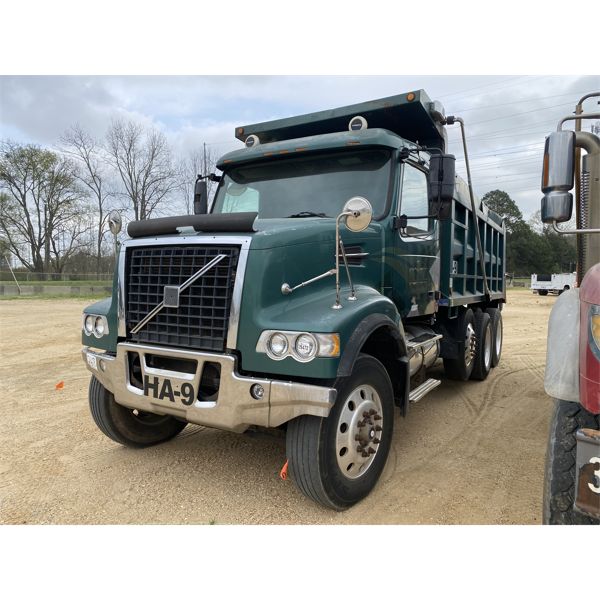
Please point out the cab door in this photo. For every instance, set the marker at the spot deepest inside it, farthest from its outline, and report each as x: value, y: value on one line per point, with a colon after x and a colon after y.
x: 414, y: 259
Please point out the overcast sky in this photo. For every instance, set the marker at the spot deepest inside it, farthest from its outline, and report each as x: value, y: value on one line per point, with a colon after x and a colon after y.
x: 506, y: 117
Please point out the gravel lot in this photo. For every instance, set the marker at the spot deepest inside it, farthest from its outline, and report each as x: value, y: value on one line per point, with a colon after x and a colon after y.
x: 467, y: 453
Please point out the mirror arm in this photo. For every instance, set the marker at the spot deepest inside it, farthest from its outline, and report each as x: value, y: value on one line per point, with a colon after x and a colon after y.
x: 346, y: 213
x: 352, y: 296
x: 286, y: 288
x: 572, y: 231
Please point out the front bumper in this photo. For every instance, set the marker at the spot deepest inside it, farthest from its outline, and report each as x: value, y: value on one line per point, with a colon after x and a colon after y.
x: 235, y: 409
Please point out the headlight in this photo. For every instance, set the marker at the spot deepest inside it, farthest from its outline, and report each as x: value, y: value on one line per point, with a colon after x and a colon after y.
x: 300, y: 345
x: 95, y: 325
x: 305, y: 346
x: 595, y: 330
x: 88, y: 324
x: 278, y: 345
x: 99, y: 326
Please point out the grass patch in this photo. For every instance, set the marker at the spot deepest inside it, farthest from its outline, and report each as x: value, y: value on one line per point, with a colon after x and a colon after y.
x: 107, y: 283
x: 90, y: 297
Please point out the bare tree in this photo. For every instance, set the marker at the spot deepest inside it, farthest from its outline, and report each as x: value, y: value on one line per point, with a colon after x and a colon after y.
x: 142, y: 158
x: 90, y: 158
x: 200, y: 161
x: 39, y: 200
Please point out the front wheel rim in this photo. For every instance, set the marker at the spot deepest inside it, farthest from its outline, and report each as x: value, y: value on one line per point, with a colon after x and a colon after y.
x: 359, y: 431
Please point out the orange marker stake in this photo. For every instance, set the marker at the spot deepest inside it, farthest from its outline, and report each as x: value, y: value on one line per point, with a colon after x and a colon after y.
x: 283, y: 472
x: 60, y: 385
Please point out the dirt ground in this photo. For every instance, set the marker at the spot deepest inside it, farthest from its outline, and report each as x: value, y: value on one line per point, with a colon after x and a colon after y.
x: 467, y: 453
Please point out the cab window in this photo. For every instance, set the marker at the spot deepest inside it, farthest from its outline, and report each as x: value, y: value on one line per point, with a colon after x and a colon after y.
x: 413, y: 200
x: 240, y: 198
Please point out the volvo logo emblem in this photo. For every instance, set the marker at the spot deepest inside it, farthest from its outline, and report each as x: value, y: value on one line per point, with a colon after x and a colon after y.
x: 171, y: 296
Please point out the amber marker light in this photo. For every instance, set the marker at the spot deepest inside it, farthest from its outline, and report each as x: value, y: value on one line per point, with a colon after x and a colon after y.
x: 410, y: 97
x: 545, y: 170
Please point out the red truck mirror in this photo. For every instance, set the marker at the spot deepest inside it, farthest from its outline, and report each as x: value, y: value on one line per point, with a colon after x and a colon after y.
x: 442, y: 176
x: 558, y: 176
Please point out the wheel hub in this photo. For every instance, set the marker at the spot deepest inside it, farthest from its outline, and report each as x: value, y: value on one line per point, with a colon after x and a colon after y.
x: 470, y: 343
x: 359, y: 429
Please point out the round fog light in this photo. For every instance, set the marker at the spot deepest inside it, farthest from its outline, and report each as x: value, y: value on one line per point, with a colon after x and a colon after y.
x: 99, y: 326
x: 257, y: 391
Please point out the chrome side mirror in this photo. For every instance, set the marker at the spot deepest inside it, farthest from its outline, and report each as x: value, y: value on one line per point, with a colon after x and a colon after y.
x: 358, y: 214
x: 115, y: 222
x: 558, y: 176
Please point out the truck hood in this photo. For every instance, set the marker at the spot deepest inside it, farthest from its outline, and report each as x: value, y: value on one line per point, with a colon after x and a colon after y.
x: 275, y: 233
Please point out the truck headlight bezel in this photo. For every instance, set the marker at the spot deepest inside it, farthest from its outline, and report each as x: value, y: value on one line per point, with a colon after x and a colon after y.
x: 302, y: 346
x: 96, y: 325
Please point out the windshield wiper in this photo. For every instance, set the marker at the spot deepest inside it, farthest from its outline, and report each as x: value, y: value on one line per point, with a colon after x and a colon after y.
x: 306, y: 213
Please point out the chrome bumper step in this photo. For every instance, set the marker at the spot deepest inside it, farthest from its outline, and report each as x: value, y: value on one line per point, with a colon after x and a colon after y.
x: 420, y: 392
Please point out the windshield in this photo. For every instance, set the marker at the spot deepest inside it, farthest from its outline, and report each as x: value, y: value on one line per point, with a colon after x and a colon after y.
x: 302, y: 186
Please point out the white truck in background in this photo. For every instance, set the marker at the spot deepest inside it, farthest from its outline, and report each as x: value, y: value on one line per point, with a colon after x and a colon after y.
x: 557, y: 283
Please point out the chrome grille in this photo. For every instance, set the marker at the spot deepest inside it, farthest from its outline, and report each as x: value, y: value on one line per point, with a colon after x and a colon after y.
x: 201, y: 319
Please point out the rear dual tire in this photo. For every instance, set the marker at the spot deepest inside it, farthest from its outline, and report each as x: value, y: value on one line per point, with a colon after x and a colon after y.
x: 462, y: 329
x: 484, y: 342
x: 498, y: 334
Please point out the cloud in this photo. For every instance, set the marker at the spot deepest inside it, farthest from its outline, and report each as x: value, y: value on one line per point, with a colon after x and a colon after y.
x: 507, y: 118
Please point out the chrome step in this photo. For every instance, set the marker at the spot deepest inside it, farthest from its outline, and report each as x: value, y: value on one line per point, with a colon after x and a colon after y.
x: 423, y: 390
x: 423, y: 340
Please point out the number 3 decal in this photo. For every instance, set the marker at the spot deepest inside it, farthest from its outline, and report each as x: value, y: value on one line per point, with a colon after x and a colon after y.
x: 592, y: 487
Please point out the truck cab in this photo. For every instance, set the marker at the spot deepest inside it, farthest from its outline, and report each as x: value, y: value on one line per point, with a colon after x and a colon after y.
x: 339, y: 259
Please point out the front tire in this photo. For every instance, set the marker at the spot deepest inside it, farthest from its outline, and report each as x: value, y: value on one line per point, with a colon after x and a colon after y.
x: 123, y: 425
x: 336, y: 461
x: 559, y: 482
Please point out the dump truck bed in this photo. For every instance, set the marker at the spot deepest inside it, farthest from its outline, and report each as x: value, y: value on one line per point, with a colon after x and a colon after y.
x: 461, y: 277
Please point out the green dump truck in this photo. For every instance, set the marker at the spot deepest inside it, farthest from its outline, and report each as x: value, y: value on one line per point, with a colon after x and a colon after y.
x: 339, y: 260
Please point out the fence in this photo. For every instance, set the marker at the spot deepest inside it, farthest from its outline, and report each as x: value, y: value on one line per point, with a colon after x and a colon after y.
x: 50, y: 278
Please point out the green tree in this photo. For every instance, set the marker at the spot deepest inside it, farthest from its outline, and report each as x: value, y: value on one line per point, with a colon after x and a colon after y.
x: 500, y: 202
x: 40, y: 206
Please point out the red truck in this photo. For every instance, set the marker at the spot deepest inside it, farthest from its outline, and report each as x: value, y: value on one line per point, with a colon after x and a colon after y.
x: 572, y: 479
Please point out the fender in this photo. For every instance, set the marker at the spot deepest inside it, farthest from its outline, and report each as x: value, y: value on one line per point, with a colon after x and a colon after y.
x: 398, y: 363
x: 361, y: 334
x: 561, y: 379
